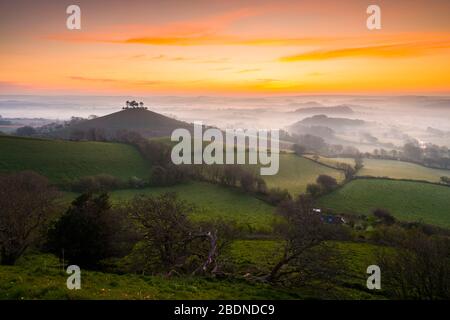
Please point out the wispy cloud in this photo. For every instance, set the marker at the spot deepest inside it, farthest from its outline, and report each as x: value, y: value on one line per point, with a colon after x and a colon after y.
x: 117, y: 81
x: 160, y: 57
x: 397, y: 50
x: 198, y: 31
x: 248, y: 70
x: 209, y: 40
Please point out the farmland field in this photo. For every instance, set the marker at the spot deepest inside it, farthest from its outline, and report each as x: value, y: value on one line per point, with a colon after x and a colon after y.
x: 401, y: 170
x: 391, y: 168
x: 66, y: 160
x: 211, y: 201
x: 408, y: 201
x: 296, y: 172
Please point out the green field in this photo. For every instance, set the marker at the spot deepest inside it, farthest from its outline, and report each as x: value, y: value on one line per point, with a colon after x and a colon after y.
x: 330, y: 161
x: 66, y: 160
x: 296, y: 172
x: 401, y: 170
x: 212, y: 201
x: 408, y: 201
x: 391, y: 168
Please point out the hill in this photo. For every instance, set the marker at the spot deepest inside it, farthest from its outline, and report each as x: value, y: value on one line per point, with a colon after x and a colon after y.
x: 340, y: 109
x: 66, y: 160
x: 147, y: 123
x: 325, y: 121
x: 408, y: 201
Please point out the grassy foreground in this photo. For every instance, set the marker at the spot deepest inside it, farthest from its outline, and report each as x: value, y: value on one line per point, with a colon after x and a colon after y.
x: 40, y: 276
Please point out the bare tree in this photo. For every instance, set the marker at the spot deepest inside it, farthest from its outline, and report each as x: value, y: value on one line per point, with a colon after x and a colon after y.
x: 418, y: 268
x: 302, y: 230
x: 26, y: 202
x: 173, y: 243
x: 165, y: 228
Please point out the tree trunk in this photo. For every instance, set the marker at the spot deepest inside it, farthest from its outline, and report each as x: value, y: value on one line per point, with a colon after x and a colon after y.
x: 273, y: 274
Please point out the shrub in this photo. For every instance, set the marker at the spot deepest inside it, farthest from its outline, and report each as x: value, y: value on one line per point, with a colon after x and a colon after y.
x: 25, y: 131
x: 313, y: 189
x: 97, y: 183
x: 277, y: 195
x: 384, y: 216
x: 168, y: 175
x: 248, y: 182
x: 136, y: 183
x: 326, y: 183
x: 88, y: 232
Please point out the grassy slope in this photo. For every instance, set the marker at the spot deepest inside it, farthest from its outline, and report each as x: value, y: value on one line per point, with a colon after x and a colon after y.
x: 40, y: 277
x: 66, y: 160
x: 409, y: 201
x: 392, y: 169
x: 212, y: 201
x: 259, y: 256
x: 296, y: 172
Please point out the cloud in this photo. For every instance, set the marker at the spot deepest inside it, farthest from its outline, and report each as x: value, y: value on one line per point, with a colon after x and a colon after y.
x: 397, y: 50
x: 187, y: 32
x: 161, y: 57
x: 267, y: 80
x: 248, y: 70
x: 208, y: 40
x: 118, y: 81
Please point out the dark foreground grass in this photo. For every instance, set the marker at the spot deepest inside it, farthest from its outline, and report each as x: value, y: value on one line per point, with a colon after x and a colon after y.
x: 40, y: 277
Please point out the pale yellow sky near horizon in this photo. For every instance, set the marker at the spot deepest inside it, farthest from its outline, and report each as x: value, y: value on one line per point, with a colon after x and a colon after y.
x: 227, y: 48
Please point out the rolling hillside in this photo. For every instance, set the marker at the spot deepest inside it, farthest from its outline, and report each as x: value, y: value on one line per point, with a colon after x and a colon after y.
x: 66, y: 160
x: 147, y: 123
x: 408, y: 201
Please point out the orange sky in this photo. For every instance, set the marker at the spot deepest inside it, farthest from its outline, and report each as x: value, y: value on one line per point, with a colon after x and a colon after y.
x: 224, y: 47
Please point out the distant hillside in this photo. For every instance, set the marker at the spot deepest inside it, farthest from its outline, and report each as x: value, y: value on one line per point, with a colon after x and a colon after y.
x: 323, y: 120
x: 318, y: 131
x: 341, y: 109
x: 147, y: 123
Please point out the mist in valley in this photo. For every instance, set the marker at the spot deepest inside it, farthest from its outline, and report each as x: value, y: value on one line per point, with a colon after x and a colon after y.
x: 386, y: 122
